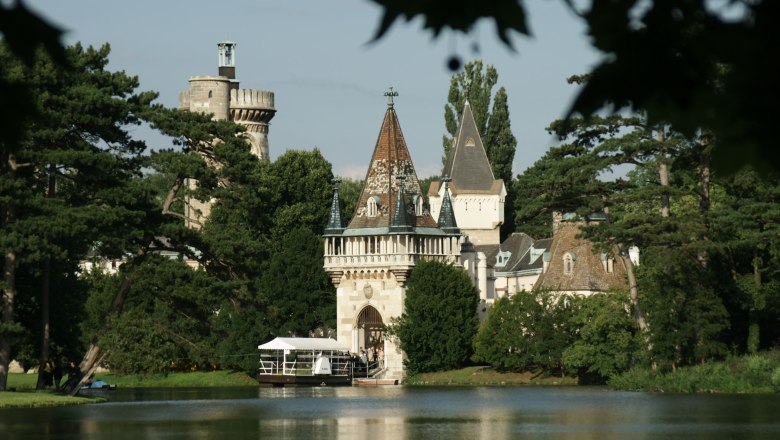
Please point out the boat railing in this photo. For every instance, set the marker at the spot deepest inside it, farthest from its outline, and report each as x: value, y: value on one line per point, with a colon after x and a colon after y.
x: 302, y: 363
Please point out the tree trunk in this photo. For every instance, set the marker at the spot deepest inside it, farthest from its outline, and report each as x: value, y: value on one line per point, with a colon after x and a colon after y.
x: 663, y: 174
x: 45, y: 292
x: 9, y: 293
x: 45, y: 288
x: 705, y: 160
x: 95, y: 354
x: 9, y: 280
x: 639, y: 315
x: 754, y: 334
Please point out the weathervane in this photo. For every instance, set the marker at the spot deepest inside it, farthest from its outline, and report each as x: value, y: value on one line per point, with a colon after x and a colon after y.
x: 390, y: 93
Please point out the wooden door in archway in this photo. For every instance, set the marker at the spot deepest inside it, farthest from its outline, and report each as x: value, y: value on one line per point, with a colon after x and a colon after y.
x: 370, y: 327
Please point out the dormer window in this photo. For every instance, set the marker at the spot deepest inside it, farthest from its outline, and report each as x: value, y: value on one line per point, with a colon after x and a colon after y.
x: 372, y: 206
x: 417, y: 200
x: 608, y: 263
x: 502, y: 258
x: 568, y: 263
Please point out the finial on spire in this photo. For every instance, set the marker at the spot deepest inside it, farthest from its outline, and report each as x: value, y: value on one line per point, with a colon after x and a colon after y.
x: 390, y: 93
x: 336, y: 181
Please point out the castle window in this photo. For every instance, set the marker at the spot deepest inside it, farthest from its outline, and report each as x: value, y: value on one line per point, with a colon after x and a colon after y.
x: 568, y: 263
x: 608, y: 263
x: 502, y: 258
x: 418, y: 204
x: 372, y: 206
x: 210, y: 94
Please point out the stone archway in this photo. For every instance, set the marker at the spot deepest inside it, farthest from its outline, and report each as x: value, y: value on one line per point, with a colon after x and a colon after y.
x: 370, y: 328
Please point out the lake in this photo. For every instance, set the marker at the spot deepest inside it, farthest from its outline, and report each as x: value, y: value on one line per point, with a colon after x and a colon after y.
x: 413, y: 413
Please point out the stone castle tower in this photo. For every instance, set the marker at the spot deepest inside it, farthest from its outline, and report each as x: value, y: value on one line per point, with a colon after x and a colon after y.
x: 221, y: 96
x: 370, y: 259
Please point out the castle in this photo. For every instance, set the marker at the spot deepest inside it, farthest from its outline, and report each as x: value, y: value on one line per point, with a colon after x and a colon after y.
x: 370, y: 258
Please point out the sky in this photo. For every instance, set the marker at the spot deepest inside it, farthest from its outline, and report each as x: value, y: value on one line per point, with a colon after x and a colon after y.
x: 327, y: 76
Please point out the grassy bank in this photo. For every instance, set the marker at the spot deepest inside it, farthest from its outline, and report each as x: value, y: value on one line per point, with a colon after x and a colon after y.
x: 486, y: 376
x: 195, y: 379
x: 25, y: 395
x: 758, y: 373
x: 37, y: 399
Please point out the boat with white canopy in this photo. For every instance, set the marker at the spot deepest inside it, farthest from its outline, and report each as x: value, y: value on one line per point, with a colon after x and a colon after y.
x: 304, y: 361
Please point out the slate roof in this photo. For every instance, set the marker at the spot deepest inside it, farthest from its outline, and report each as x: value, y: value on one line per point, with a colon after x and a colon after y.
x: 389, y: 159
x: 467, y: 162
x: 588, y: 272
x: 525, y: 253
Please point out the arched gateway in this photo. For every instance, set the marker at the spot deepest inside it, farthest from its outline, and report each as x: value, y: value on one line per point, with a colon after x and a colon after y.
x: 370, y: 328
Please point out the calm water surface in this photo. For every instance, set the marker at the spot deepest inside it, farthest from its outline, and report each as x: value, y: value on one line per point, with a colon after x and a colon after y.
x: 401, y: 413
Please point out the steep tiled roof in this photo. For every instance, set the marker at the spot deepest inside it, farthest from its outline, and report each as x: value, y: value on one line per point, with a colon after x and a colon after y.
x: 588, y: 270
x: 467, y: 163
x: 390, y: 159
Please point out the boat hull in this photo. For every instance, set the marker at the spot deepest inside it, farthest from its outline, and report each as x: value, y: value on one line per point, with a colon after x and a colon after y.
x: 316, y: 380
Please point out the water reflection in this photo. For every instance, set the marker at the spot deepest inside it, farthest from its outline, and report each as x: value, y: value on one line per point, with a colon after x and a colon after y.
x: 401, y: 413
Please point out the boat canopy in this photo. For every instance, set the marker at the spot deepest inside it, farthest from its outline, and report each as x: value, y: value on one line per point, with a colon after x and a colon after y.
x: 303, y: 344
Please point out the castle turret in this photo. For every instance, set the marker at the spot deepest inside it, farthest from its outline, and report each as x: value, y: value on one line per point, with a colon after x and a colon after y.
x: 221, y: 96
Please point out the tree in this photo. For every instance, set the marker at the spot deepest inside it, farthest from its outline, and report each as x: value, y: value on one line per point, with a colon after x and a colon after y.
x: 493, y: 124
x: 439, y: 319
x: 607, y: 340
x: 527, y: 332
x: 691, y: 44
x: 86, y: 156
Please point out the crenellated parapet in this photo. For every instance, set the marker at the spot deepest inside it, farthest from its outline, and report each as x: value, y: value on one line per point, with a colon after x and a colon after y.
x: 253, y: 108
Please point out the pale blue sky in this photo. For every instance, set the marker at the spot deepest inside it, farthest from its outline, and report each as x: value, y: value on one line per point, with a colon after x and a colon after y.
x: 328, y: 81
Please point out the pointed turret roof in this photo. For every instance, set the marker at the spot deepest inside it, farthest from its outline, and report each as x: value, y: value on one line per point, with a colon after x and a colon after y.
x: 389, y: 160
x: 335, y: 225
x: 447, y: 216
x: 467, y: 162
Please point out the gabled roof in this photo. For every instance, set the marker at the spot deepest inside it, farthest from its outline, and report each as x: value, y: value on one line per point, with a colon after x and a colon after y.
x: 588, y: 273
x: 389, y: 160
x: 467, y: 162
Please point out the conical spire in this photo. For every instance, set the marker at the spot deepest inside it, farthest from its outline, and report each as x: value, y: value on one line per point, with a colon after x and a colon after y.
x: 447, y: 221
x: 335, y: 225
x: 467, y: 162
x: 376, y: 206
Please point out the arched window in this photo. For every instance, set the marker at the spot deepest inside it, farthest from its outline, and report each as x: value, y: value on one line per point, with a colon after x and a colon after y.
x: 210, y: 94
x: 568, y: 263
x: 372, y: 206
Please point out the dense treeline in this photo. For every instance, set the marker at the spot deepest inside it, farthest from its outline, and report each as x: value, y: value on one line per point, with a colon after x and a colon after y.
x: 76, y: 187
x: 707, y: 285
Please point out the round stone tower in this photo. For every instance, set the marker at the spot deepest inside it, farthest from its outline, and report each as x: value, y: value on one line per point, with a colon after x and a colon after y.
x: 221, y: 96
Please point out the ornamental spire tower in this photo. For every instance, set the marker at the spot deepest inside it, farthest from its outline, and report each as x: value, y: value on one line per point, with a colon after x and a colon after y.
x: 370, y: 260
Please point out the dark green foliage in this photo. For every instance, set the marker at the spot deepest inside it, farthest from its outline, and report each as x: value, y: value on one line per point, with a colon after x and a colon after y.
x: 685, y: 310
x: 607, y: 340
x: 707, y: 67
x: 235, y: 334
x: 295, y: 286
x: 164, y: 325
x: 527, y: 332
x: 439, y: 319
x: 757, y: 373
